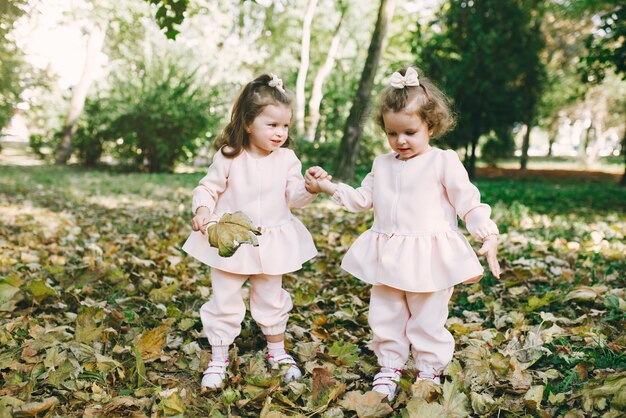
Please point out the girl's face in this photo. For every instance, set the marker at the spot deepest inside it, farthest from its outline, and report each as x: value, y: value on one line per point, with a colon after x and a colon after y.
x: 407, y: 133
x: 269, y: 130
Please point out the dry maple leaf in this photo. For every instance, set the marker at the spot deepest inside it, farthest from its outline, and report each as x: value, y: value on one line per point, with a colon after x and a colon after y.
x: 232, y: 230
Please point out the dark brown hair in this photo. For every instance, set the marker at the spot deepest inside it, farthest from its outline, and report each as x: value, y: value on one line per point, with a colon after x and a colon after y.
x: 249, y: 104
x: 433, y: 107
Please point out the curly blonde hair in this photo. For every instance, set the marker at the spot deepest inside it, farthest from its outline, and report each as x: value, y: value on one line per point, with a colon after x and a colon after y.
x: 433, y: 106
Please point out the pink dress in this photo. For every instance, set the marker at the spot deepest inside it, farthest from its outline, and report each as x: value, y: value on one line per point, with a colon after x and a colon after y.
x: 264, y: 189
x: 415, y: 244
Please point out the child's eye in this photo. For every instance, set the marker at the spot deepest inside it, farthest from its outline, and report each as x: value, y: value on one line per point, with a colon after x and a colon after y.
x: 411, y: 133
x: 273, y: 125
x: 391, y: 134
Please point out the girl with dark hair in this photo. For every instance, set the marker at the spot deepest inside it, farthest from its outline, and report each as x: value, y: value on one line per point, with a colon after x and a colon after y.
x: 256, y: 173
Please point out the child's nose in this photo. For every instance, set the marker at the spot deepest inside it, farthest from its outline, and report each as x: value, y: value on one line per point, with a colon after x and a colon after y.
x: 282, y: 131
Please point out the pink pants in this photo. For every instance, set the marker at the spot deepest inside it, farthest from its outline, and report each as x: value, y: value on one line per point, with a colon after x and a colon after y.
x: 222, y: 315
x: 402, y: 320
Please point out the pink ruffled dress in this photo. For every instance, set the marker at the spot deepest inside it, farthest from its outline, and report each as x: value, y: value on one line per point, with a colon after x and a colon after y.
x: 264, y: 189
x: 415, y: 244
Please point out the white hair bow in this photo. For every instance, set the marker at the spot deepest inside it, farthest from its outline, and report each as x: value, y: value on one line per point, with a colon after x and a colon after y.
x: 398, y: 81
x: 276, y: 83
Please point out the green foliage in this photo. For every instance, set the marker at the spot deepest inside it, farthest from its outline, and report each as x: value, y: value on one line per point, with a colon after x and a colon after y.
x: 93, y: 131
x: 151, y: 119
x: 606, y: 46
x: 12, y: 64
x: 43, y: 144
x: 169, y: 14
x: 486, y: 57
x: 498, y: 145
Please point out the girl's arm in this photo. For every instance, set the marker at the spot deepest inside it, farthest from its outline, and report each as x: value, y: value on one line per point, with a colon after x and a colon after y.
x: 297, y: 195
x: 360, y: 199
x: 212, y: 185
x: 465, y: 198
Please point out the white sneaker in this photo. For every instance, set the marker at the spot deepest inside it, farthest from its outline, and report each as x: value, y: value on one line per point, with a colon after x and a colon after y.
x: 435, y: 378
x: 213, y: 377
x: 292, y: 373
x: 386, y: 382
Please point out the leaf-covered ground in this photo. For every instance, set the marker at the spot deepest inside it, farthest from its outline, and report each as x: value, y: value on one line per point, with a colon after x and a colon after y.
x: 99, y: 308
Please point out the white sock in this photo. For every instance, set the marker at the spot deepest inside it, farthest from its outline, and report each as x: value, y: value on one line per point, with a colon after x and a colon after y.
x: 276, y: 349
x: 220, y: 353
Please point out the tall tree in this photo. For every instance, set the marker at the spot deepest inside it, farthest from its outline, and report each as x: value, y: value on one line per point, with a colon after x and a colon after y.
x: 533, y: 74
x: 318, y: 83
x: 11, y: 60
x: 562, y: 55
x: 606, y: 46
x: 481, y: 57
x: 304, y: 66
x: 349, y: 147
x: 79, y: 92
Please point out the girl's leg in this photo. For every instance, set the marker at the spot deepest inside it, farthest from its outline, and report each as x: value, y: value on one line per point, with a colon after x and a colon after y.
x: 388, y: 316
x: 270, y: 305
x: 222, y: 315
x: 221, y: 319
x: 432, y: 343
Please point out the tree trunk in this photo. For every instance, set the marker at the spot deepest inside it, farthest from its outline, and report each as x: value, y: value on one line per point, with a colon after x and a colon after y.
x: 582, y: 152
x: 623, y: 181
x: 553, y: 131
x: 349, y: 147
x: 79, y: 92
x: 318, y: 83
x: 304, y: 66
x: 471, y: 166
x: 526, y: 145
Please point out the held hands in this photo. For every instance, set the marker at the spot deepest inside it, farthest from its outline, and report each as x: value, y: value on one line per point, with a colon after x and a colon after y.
x: 490, y: 250
x: 201, y: 220
x: 314, y: 178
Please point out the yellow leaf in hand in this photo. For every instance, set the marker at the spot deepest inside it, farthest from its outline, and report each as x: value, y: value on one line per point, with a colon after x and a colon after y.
x: 232, y: 230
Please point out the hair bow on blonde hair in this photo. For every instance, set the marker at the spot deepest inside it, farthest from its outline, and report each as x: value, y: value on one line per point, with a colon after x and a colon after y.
x: 277, y: 83
x: 399, y: 81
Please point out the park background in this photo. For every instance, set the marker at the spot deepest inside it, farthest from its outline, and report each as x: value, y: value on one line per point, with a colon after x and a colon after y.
x: 108, y: 112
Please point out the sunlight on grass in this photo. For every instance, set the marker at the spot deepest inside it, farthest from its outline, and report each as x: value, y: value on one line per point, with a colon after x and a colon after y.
x: 40, y: 221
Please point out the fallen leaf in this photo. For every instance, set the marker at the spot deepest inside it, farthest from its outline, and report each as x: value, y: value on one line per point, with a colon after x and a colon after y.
x: 232, y: 230
x: 325, y: 388
x: 368, y: 405
x: 533, y: 397
x: 346, y: 353
x: 40, y: 290
x: 34, y: 408
x: 150, y: 344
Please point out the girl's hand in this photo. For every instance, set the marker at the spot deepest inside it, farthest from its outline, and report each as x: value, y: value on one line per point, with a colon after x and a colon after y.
x: 327, y: 186
x: 201, y: 220
x: 312, y: 179
x: 319, y: 173
x: 311, y: 184
x: 490, y: 249
x: 315, y: 178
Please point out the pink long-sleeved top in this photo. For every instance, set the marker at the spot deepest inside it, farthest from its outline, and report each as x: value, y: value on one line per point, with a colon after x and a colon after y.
x: 264, y: 189
x: 415, y: 244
